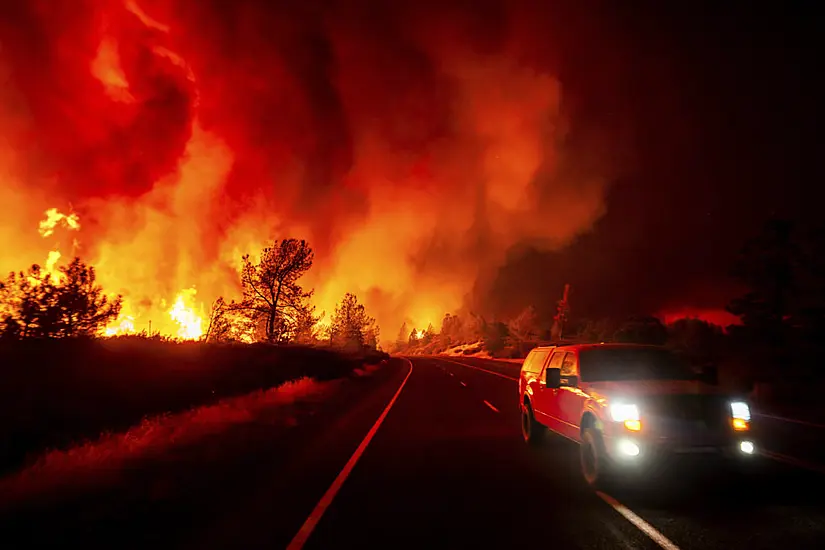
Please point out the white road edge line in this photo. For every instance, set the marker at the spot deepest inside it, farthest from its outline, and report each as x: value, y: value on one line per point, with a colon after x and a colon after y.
x: 791, y: 420
x: 311, y: 522
x: 796, y: 462
x: 490, y: 405
x: 640, y: 524
x: 514, y: 379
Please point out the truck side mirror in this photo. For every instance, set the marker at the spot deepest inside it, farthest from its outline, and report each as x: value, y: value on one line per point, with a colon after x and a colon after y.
x: 553, y: 378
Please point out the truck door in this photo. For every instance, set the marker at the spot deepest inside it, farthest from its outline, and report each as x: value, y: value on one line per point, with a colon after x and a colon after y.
x: 527, y: 375
x: 547, y: 397
x: 570, y: 398
x: 532, y: 378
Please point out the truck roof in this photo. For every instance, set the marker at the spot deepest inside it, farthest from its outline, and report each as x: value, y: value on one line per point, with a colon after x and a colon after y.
x: 546, y: 347
x: 611, y: 345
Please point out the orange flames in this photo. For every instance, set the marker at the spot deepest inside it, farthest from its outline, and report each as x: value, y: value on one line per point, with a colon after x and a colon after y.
x: 184, y: 319
x: 160, y: 145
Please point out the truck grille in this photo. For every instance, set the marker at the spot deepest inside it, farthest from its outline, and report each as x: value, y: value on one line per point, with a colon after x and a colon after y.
x: 710, y: 410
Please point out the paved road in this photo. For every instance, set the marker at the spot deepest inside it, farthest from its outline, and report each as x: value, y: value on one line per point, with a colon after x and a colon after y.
x: 446, y: 468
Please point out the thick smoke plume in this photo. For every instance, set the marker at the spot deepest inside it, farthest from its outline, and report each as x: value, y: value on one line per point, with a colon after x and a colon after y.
x: 412, y: 146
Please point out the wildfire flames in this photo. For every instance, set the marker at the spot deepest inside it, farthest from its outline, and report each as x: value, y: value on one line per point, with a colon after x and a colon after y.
x: 161, y: 141
x: 185, y: 312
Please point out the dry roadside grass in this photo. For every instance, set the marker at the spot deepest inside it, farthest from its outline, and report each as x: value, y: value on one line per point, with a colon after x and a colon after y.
x: 55, y: 392
x: 102, y: 460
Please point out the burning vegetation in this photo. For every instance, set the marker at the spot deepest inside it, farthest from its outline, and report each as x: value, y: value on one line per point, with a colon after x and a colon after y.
x: 67, y: 301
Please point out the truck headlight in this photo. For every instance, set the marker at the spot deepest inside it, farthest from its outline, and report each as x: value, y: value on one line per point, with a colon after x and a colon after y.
x: 628, y: 414
x: 740, y: 414
x: 628, y: 448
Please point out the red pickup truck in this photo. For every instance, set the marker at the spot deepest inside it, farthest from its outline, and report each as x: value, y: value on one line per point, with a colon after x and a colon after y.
x: 629, y: 406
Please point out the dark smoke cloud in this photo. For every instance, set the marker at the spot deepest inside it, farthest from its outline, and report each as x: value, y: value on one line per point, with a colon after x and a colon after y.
x: 92, y: 149
x: 726, y: 115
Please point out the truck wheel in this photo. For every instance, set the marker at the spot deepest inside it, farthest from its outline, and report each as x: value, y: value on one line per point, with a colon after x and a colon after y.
x: 532, y: 431
x: 594, y: 461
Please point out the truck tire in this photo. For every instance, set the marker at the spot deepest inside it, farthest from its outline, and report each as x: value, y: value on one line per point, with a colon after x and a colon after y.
x: 595, y: 464
x: 531, y: 430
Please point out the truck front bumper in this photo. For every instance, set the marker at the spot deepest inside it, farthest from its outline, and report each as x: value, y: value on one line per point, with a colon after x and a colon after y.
x: 644, y: 455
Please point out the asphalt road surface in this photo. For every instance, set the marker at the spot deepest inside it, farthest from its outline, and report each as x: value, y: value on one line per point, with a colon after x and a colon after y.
x: 433, y: 458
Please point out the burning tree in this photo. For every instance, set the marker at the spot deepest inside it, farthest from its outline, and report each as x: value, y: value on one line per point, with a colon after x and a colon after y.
x: 305, y: 327
x: 524, y: 327
x: 494, y: 336
x: 37, y: 304
x: 272, y: 294
x: 371, y: 336
x: 220, y: 325
x: 450, y: 330
x: 402, y: 340
x: 472, y: 327
x: 350, y: 325
x: 429, y: 334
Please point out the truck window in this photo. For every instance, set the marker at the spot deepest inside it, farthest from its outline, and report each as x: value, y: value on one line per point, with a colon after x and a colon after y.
x: 556, y: 360
x: 535, y: 361
x: 569, y: 366
x: 541, y: 358
x: 528, y: 362
x: 603, y: 364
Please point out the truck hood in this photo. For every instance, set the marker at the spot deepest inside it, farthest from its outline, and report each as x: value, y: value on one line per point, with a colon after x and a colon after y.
x: 641, y: 388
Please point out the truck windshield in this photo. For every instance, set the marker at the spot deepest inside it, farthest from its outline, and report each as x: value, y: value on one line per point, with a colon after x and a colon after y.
x: 606, y: 364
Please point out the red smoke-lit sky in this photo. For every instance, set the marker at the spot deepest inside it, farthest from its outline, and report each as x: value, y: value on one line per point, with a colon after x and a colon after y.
x: 432, y: 153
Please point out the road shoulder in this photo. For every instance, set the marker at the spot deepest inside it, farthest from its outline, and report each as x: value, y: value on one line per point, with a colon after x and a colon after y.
x: 264, y: 469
